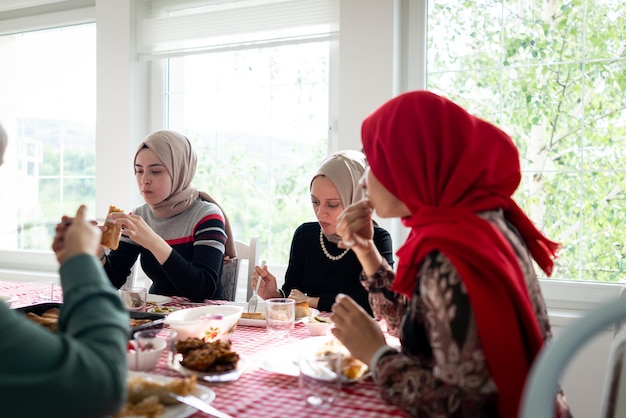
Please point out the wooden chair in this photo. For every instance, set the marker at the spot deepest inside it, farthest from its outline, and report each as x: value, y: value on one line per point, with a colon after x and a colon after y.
x: 249, y: 252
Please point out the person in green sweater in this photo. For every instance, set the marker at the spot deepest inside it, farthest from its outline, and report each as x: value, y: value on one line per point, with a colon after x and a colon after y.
x: 80, y: 371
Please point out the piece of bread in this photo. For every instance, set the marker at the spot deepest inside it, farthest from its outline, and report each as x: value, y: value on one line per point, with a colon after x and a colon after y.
x: 253, y: 315
x: 111, y: 237
x: 302, y: 310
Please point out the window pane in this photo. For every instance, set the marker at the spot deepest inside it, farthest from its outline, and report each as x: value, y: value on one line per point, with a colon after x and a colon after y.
x: 552, y: 76
x: 48, y: 110
x: 258, y: 120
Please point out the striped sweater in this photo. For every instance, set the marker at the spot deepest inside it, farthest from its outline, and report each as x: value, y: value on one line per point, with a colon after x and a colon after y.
x: 194, y: 267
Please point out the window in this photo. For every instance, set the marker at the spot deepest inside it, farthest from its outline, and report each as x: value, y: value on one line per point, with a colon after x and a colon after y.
x: 255, y: 105
x: 552, y: 75
x: 47, y: 106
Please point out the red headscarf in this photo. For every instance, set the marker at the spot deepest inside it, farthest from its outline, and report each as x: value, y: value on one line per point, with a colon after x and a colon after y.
x: 445, y: 165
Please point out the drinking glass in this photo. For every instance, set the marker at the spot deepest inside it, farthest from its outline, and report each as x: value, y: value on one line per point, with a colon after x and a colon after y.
x: 320, y: 377
x: 280, y: 316
x: 134, y: 298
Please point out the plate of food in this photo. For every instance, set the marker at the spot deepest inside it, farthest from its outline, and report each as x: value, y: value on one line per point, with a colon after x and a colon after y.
x: 210, y: 361
x: 158, y: 299
x: 162, y: 309
x: 147, y: 396
x: 285, y: 360
x: 257, y: 319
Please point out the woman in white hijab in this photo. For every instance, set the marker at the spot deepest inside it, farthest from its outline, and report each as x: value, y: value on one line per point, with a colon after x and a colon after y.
x: 318, y: 269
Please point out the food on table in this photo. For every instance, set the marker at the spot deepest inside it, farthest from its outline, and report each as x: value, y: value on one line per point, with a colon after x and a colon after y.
x: 111, y: 237
x: 202, y: 356
x: 253, y: 315
x: 148, y: 397
x: 49, y: 319
x: 352, y: 368
x: 302, y: 310
x: 162, y: 309
x: 319, y: 319
x: 135, y: 322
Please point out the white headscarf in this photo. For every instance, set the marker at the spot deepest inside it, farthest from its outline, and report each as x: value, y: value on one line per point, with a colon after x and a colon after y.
x: 345, y: 169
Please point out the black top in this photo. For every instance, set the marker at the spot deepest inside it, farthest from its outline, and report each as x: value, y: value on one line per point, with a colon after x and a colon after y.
x: 311, y: 272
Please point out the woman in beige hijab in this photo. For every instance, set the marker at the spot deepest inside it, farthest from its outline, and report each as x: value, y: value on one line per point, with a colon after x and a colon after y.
x: 318, y: 269
x: 180, y: 232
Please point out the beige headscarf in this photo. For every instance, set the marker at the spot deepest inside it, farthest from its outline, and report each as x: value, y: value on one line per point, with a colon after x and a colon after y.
x: 345, y: 169
x: 3, y: 143
x: 175, y: 152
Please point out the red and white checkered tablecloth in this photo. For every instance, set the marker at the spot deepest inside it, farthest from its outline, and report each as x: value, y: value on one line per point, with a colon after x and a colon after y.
x: 258, y: 392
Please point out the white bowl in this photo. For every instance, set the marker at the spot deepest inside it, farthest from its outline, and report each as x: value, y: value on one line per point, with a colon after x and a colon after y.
x: 317, y: 328
x: 146, y: 360
x: 213, y: 322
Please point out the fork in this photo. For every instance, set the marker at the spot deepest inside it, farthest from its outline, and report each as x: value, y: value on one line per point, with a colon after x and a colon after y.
x: 254, y: 300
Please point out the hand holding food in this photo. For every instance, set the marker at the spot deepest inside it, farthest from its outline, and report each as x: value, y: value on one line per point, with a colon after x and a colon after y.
x: 79, y: 237
x: 356, y: 330
x: 355, y: 226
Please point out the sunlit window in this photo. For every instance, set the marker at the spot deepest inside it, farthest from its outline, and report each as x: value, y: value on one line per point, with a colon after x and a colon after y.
x: 258, y: 119
x: 47, y: 106
x: 551, y: 74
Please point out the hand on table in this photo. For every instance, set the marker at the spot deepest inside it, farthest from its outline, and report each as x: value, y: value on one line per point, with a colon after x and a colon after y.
x: 76, y: 236
x: 356, y: 330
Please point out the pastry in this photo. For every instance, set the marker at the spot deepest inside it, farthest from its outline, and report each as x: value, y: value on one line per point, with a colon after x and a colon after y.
x: 253, y: 315
x: 302, y: 310
x: 111, y: 237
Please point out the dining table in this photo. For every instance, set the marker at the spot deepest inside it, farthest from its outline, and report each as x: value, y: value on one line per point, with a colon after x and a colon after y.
x: 257, y: 392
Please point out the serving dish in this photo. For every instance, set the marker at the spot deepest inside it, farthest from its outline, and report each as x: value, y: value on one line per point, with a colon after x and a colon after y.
x: 227, y: 376
x: 155, y: 320
x: 157, y: 299
x: 177, y: 410
x: 285, y: 360
x: 211, y: 322
x: 246, y: 322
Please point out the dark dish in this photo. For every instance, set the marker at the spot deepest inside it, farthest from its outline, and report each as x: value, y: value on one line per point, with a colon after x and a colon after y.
x: 155, y: 320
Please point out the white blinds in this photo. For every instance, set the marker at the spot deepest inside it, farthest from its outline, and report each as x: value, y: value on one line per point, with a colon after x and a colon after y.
x: 169, y: 30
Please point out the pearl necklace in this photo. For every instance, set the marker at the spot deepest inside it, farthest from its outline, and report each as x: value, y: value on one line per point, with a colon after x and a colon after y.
x: 325, y: 251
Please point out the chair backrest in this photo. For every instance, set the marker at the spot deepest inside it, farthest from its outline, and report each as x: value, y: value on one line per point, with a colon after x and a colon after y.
x: 614, y: 396
x: 541, y: 386
x: 250, y: 252
x: 229, y: 279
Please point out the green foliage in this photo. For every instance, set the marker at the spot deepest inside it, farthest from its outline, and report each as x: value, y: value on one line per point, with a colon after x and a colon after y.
x: 554, y: 78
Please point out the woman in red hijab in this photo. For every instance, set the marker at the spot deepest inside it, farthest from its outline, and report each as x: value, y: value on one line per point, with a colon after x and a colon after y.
x: 465, y: 302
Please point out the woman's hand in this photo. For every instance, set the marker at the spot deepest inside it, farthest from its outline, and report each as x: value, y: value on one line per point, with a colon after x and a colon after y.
x: 136, y: 228
x: 298, y: 296
x: 355, y: 226
x: 76, y: 236
x: 267, y: 288
x: 356, y: 330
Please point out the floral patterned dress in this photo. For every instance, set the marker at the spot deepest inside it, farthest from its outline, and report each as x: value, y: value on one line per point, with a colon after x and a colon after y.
x: 441, y: 370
